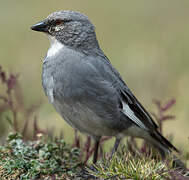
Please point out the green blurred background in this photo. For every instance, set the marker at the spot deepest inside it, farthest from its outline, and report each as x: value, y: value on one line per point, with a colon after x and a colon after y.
x: 146, y: 40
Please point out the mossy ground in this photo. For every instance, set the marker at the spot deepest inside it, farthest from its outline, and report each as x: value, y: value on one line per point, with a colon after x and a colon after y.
x: 39, y: 159
x: 47, y: 159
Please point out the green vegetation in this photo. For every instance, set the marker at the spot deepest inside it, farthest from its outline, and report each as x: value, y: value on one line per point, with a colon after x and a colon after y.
x: 127, y: 166
x: 37, y: 159
x: 147, y: 41
x: 45, y: 158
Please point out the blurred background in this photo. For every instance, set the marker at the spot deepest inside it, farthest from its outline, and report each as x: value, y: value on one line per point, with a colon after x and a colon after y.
x: 146, y: 40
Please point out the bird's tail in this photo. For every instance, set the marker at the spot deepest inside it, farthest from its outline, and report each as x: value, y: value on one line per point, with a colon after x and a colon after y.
x: 162, y: 144
x: 165, y: 147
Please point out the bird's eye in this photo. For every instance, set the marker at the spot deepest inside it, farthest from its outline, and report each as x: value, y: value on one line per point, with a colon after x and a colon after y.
x: 58, y: 22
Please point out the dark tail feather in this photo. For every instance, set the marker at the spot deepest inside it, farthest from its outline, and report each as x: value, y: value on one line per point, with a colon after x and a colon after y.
x: 163, y: 141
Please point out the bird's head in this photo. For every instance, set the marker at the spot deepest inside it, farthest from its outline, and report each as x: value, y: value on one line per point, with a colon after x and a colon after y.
x: 70, y: 28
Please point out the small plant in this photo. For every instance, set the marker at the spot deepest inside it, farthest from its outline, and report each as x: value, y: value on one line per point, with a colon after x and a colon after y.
x: 37, y: 159
x: 12, y: 107
x: 124, y: 165
x: 161, y: 116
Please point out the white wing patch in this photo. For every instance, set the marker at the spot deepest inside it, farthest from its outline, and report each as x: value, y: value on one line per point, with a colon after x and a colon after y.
x: 50, y: 94
x: 129, y: 113
x: 55, y: 47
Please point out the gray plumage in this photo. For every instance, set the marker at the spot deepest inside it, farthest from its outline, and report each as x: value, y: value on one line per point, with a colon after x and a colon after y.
x: 85, y: 89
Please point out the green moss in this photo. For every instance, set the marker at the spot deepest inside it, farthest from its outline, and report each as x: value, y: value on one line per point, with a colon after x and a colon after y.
x: 37, y: 159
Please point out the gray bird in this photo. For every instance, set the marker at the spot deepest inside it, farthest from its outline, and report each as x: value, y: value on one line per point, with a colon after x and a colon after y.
x: 86, y: 90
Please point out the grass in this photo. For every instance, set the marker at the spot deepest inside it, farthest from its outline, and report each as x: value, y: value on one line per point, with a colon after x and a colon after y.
x: 127, y: 166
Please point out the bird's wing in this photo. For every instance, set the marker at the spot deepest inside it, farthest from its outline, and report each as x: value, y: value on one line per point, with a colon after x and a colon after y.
x: 131, y: 107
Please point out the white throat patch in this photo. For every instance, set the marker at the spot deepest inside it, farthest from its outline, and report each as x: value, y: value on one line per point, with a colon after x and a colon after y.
x: 55, y: 47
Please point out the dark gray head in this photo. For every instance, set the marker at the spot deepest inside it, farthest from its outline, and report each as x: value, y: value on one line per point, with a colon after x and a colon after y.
x: 71, y: 28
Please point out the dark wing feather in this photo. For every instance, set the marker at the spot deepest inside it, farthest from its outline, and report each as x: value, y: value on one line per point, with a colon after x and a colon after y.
x: 138, y: 109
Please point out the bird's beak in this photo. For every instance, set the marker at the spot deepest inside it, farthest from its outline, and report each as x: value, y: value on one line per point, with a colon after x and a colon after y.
x: 40, y: 26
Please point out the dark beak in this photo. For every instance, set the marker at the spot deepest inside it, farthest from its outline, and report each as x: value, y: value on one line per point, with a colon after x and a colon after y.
x: 40, y: 26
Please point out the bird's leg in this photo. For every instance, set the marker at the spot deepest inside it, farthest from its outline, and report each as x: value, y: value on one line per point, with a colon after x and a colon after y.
x: 115, y: 146
x: 95, y: 156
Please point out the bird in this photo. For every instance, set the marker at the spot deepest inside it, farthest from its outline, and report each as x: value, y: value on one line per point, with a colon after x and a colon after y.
x: 86, y: 90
